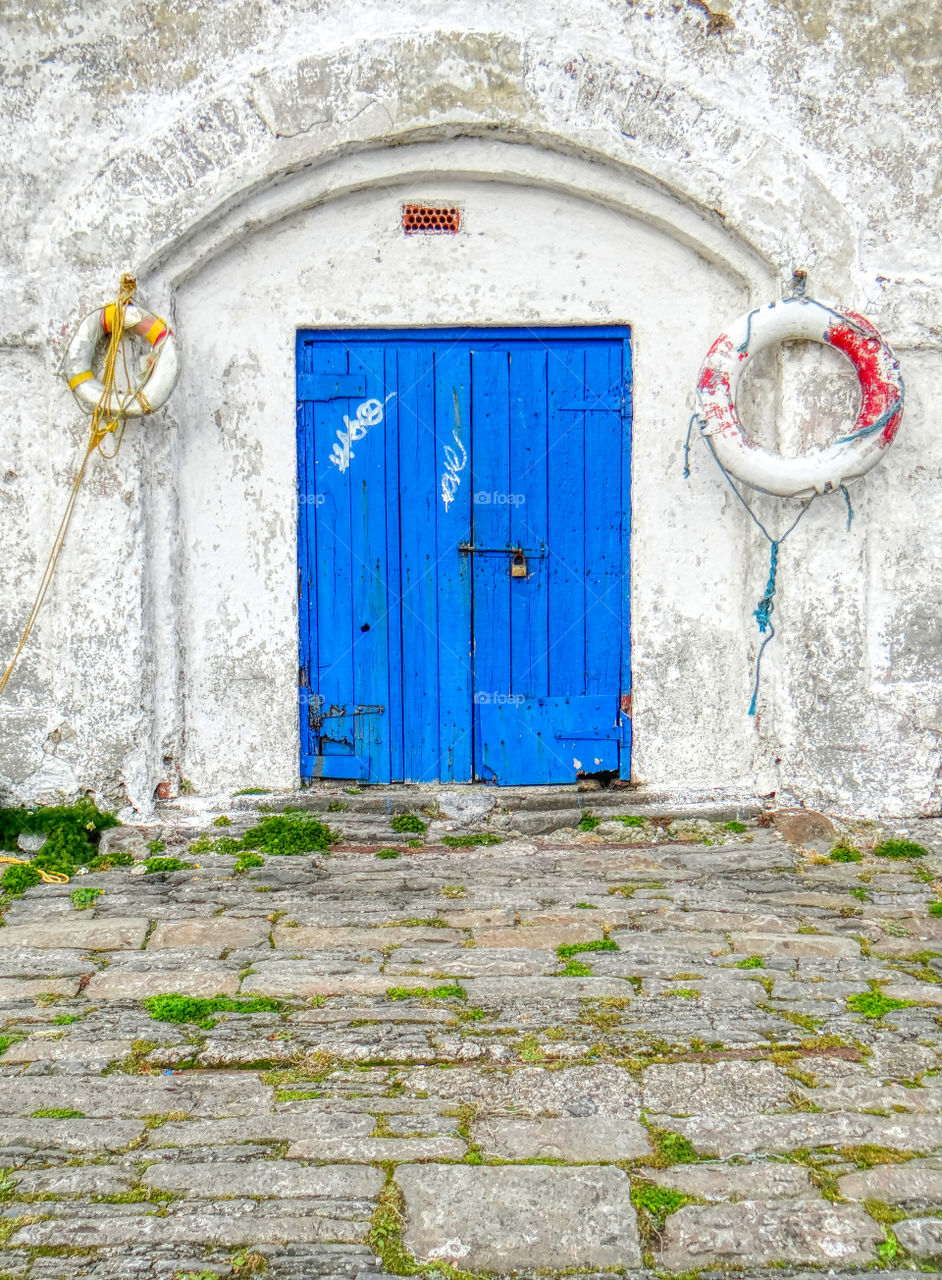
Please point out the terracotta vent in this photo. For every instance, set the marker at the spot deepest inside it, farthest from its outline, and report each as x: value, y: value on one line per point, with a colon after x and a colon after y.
x: 429, y: 220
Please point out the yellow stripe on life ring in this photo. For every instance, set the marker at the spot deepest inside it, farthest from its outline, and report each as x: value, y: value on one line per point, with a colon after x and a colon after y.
x: 79, y: 379
x: 155, y: 332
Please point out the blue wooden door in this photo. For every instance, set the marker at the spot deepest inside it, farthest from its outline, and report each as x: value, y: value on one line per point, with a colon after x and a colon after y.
x: 463, y: 554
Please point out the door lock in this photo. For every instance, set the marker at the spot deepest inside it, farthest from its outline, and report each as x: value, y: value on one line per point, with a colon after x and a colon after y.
x: 518, y: 565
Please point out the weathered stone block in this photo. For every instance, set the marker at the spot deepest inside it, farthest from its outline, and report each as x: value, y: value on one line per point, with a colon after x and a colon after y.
x: 539, y: 937
x: 28, y: 989
x: 757, y: 1233
x: 120, y: 984
x: 71, y: 1135
x: 218, y: 932
x: 742, y: 1088
x: 373, y: 1150
x: 102, y: 934
x: 268, y: 1178
x: 802, y: 944
x: 262, y: 1128
x: 916, y: 1184
x: 922, y: 1237
x: 584, y: 1140
x: 507, y: 1218
x: 736, y: 1181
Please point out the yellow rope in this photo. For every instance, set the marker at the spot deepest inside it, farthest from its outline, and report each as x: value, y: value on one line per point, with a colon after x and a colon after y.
x: 97, y: 434
x: 47, y: 877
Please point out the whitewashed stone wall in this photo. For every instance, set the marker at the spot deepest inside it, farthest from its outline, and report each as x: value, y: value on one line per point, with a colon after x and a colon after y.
x: 661, y: 165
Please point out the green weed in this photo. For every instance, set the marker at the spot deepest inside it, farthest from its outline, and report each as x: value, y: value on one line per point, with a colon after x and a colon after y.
x: 899, y: 849
x: 389, y: 853
x: 408, y: 822
x: 58, y: 1113
x: 874, y: 1004
x: 588, y: 822
x: 449, y: 991
x: 154, y: 865
x: 471, y: 841
x: 574, y: 948
x: 82, y: 899
x: 173, y: 1007
x: 751, y: 962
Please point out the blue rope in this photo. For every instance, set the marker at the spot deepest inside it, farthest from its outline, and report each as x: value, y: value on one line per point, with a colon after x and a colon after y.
x: 763, y: 610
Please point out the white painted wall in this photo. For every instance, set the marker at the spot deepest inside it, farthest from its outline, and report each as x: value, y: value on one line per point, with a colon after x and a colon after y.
x: 613, y: 165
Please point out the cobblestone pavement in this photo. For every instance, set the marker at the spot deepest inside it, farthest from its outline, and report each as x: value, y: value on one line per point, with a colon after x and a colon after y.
x: 742, y: 1072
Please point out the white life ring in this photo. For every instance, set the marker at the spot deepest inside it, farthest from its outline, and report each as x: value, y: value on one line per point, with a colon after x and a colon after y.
x: 159, y: 370
x: 856, y: 449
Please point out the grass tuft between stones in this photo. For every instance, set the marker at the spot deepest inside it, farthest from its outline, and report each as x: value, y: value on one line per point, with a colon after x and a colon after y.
x: 174, y: 1007
x: 575, y: 948
x: 899, y: 849
x: 57, y: 1113
x: 874, y: 1004
x: 448, y: 991
x: 385, y: 1239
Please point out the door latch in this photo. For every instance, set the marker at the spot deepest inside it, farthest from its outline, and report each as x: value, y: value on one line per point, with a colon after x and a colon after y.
x: 518, y: 565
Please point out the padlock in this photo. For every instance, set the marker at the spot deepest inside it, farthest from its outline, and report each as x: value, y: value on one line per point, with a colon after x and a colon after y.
x: 518, y: 566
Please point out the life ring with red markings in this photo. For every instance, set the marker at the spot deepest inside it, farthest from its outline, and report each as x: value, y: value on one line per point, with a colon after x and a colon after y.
x: 857, y: 448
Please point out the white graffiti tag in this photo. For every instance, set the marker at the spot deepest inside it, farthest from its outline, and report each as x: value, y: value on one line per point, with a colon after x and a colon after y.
x: 453, y: 462
x: 367, y: 415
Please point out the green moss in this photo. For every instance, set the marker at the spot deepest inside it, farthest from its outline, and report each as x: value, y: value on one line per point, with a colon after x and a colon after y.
x: 671, y: 1148
x: 686, y: 993
x: 868, y: 1155
x: 173, y: 1007
x: 629, y: 819
x: 575, y: 948
x: 657, y: 1202
x: 72, y: 831
x: 63, y: 1019
x: 18, y: 878
x: 843, y: 853
x: 408, y: 822
x: 389, y: 853
x: 246, y: 862
x: 222, y: 821
x: 449, y: 991
x: 574, y: 969
x: 58, y: 1113
x: 874, y: 1004
x: 474, y: 1014
x: 156, y: 846
x: 6, y: 1041
x: 155, y: 865
x: 899, y: 849
x: 290, y: 835
x: 453, y: 891
x: 83, y: 898
x: 623, y: 890
x: 471, y: 841
x: 587, y: 906
x: 935, y: 908
x: 751, y: 962
x: 736, y: 827
x: 253, y: 791
x: 588, y: 822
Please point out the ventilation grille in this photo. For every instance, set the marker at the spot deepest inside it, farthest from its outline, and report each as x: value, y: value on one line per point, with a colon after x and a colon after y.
x: 430, y: 220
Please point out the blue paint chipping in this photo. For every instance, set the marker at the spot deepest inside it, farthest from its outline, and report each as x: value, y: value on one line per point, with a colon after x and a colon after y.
x: 425, y: 460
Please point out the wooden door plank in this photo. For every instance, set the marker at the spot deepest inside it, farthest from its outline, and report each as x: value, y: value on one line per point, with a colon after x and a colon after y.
x: 490, y: 407
x: 419, y: 603
x: 529, y: 615
x: 603, y: 519
x: 454, y: 571
x: 566, y: 520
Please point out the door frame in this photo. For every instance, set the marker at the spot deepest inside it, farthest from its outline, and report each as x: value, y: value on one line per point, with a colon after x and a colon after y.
x: 312, y: 765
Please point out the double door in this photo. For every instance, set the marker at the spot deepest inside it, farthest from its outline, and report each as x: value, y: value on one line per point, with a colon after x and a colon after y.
x: 463, y: 554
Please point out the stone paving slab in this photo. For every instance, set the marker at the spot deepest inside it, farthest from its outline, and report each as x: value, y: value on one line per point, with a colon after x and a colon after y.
x: 503, y: 1219
x: 717, y: 1055
x: 758, y: 1233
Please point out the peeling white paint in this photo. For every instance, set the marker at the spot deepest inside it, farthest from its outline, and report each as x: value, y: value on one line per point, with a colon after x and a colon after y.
x: 614, y: 164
